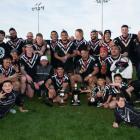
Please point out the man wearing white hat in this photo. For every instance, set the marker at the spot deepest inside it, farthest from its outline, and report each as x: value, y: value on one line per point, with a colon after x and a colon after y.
x: 43, y: 73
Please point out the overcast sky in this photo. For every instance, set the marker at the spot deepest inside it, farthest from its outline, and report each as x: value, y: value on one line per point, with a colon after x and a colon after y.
x: 69, y: 15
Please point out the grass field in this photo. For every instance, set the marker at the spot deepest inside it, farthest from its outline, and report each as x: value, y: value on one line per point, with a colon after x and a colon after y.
x: 64, y: 123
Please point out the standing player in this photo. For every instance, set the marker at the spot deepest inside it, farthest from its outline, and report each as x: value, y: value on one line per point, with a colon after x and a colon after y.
x: 40, y: 45
x: 64, y: 52
x: 80, y: 43
x: 15, y: 42
x: 30, y: 38
x: 125, y: 41
x: 94, y: 43
x: 52, y: 45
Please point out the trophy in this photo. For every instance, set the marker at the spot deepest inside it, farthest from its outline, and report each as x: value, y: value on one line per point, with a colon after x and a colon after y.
x: 92, y: 99
x: 75, y: 96
x: 61, y: 94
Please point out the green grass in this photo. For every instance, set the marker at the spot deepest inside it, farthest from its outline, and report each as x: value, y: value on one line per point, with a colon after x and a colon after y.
x: 64, y: 123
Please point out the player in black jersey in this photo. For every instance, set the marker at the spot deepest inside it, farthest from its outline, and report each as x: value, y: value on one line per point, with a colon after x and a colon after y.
x: 59, y: 82
x: 29, y: 61
x: 30, y: 38
x: 101, y: 95
x: 52, y: 45
x: 125, y: 41
x: 80, y: 43
x: 93, y: 44
x: 65, y: 52
x: 115, y: 55
x: 15, y: 42
x: 86, y: 67
x: 39, y: 45
x: 9, y: 72
x: 107, y: 40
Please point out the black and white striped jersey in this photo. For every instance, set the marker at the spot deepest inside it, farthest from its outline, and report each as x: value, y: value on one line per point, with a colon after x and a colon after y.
x: 62, y: 50
x: 52, y: 45
x: 109, y: 61
x: 128, y: 115
x: 17, y: 44
x: 116, y: 90
x: 88, y: 65
x: 30, y: 64
x: 58, y: 81
x: 94, y: 47
x: 7, y: 72
x: 80, y: 44
x: 126, y: 44
x: 105, y: 90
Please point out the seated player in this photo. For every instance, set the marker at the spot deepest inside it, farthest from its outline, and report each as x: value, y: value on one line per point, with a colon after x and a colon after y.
x: 9, y: 98
x: 125, y: 113
x: 101, y: 95
x: 58, y: 83
x: 117, y: 63
x: 123, y: 66
x: 86, y: 67
x: 90, y: 84
x: 10, y: 72
x: 29, y: 62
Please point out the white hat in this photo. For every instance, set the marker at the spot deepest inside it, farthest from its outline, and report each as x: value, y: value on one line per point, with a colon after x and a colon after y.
x: 44, y: 58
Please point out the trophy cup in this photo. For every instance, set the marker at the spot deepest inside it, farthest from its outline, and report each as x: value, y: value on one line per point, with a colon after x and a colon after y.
x: 61, y: 94
x: 75, y: 96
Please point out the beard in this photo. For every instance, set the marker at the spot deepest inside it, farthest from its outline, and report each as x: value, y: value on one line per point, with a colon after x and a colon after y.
x: 13, y: 37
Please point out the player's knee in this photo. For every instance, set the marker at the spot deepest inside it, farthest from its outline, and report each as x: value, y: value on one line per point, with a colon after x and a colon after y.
x: 23, y: 79
x: 112, y: 105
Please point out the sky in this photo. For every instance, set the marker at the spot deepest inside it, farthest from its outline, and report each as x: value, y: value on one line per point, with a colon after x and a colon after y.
x: 69, y: 15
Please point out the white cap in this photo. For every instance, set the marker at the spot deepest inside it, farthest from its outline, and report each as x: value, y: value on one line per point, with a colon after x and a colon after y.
x: 44, y: 58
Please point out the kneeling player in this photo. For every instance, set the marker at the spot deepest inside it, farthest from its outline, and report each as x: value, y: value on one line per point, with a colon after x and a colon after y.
x: 58, y: 84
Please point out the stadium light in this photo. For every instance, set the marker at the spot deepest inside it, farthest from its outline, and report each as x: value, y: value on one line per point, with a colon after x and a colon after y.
x: 38, y: 7
x: 102, y: 11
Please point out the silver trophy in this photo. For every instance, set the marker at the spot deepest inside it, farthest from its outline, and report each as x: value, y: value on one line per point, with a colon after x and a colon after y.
x: 75, y: 96
x: 61, y: 94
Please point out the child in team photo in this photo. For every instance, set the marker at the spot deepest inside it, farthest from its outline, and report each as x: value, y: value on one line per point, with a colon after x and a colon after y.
x: 125, y: 113
x: 101, y: 95
x: 9, y: 98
